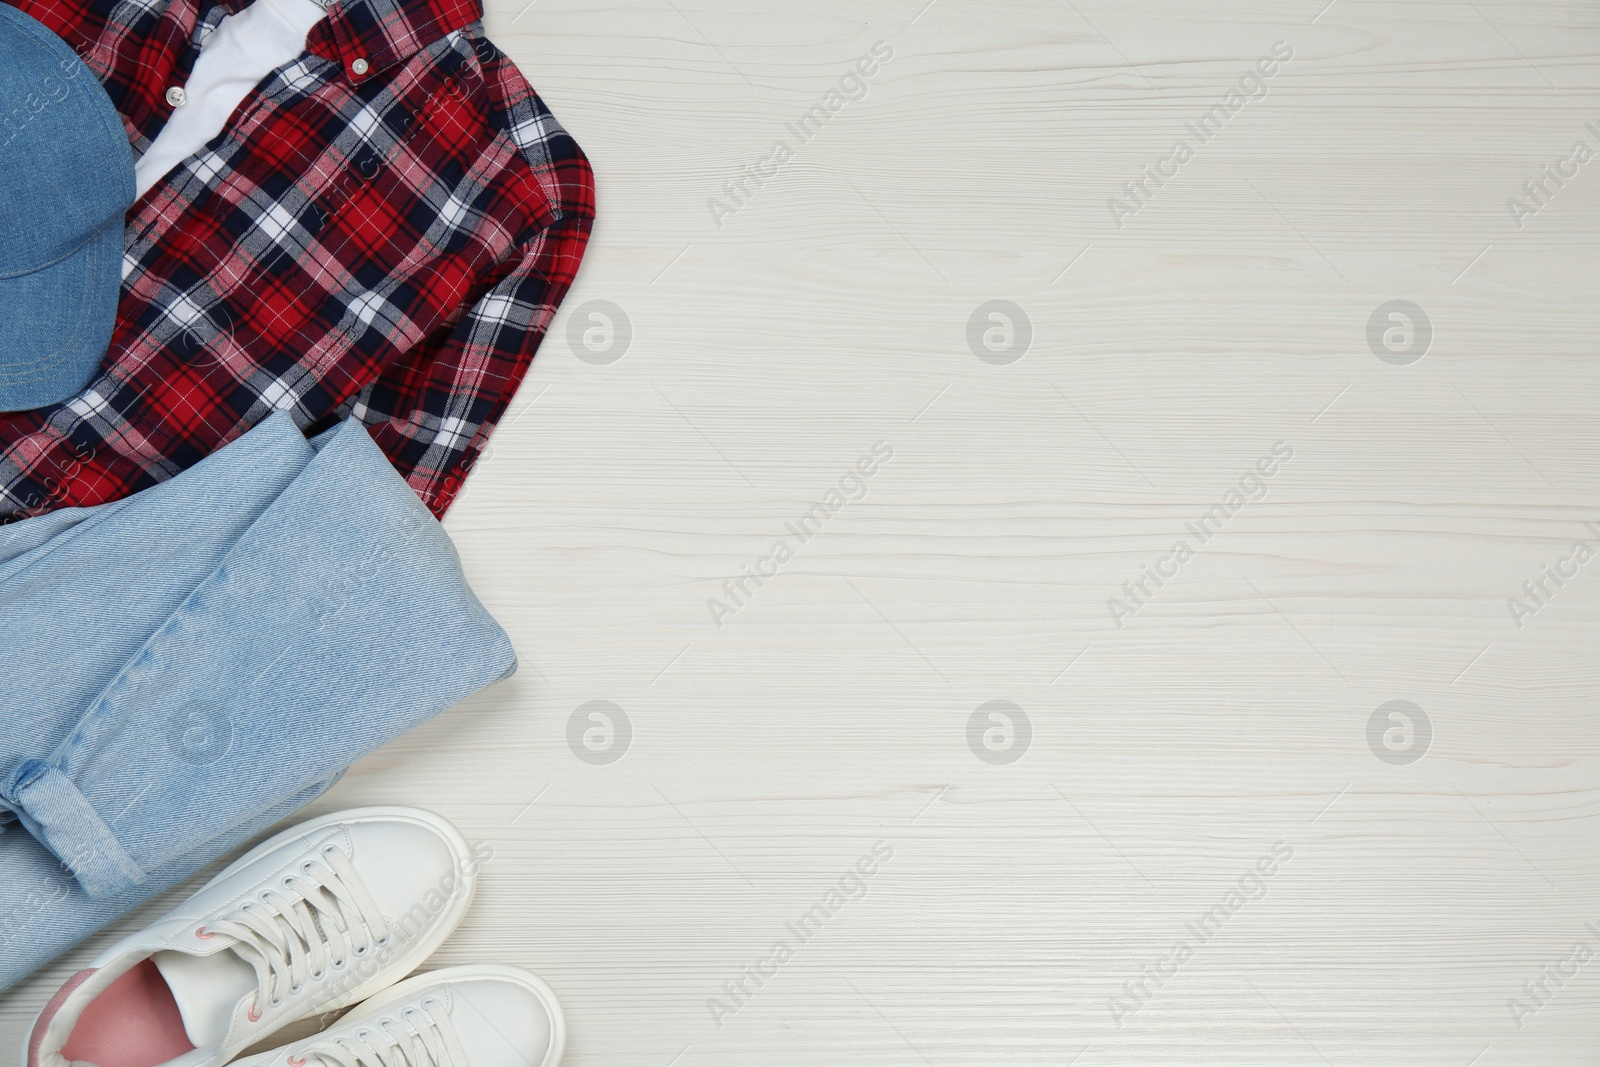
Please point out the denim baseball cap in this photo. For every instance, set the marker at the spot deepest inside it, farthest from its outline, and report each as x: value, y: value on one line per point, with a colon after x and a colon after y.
x: 66, y: 181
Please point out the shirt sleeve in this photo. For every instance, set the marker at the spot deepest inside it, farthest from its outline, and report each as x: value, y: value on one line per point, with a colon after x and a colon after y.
x: 457, y: 384
x: 431, y: 410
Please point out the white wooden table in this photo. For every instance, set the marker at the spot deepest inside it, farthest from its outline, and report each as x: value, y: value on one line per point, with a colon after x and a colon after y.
x: 731, y: 353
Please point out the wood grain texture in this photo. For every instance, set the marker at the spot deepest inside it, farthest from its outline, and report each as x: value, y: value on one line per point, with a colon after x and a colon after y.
x: 1229, y: 713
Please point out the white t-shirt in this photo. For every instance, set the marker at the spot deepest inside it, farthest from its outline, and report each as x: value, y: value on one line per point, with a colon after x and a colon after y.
x: 244, y: 48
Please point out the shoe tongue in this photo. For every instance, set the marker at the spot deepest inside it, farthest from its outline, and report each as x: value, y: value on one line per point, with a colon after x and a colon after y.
x: 207, y: 989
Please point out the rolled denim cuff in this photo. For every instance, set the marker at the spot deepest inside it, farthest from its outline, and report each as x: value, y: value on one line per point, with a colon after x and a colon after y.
x: 336, y: 620
x: 54, y: 811
x: 44, y: 910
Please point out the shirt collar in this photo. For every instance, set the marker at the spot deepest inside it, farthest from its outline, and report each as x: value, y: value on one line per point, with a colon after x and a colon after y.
x: 367, y: 36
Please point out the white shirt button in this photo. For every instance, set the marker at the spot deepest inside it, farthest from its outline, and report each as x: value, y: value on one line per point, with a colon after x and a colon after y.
x: 359, y: 67
x: 177, y: 97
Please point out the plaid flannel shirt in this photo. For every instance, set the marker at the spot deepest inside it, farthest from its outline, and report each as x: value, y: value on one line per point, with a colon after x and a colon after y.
x: 384, y: 230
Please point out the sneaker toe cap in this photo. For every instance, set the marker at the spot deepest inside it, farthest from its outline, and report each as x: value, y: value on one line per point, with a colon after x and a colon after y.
x: 414, y: 868
x: 503, y: 1023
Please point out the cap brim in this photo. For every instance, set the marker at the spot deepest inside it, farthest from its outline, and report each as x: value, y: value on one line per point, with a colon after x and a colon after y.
x: 55, y: 323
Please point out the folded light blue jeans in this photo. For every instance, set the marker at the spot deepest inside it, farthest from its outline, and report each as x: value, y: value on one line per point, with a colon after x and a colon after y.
x: 187, y: 666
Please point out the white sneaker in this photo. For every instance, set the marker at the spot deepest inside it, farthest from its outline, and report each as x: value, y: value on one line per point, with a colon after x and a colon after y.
x: 320, y: 917
x: 483, y: 1015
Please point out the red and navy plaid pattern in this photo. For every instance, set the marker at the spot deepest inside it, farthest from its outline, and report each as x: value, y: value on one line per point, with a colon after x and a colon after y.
x: 390, y: 245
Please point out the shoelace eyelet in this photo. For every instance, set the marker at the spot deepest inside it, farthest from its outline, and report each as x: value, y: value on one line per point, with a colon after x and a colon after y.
x: 296, y: 1061
x: 203, y: 934
x: 254, y: 1014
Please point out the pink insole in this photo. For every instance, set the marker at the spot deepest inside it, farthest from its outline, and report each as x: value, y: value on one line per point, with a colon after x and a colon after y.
x: 134, y: 1022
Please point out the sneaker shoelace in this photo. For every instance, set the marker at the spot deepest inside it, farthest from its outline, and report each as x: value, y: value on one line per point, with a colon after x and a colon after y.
x: 312, y: 920
x: 419, y: 1036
